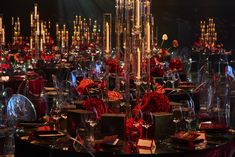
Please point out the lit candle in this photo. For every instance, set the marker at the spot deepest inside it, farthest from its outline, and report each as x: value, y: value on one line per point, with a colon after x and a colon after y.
x: 148, y: 37
x: 31, y: 19
x: 0, y: 23
x: 31, y: 43
x: 35, y: 10
x: 42, y: 28
x: 148, y: 7
x: 12, y: 21
x: 3, y: 36
x: 41, y: 44
x: 107, y: 37
x: 137, y: 13
x: 57, y: 28
x: 43, y: 36
x: 19, y: 27
x: 138, y: 63
x: 37, y: 18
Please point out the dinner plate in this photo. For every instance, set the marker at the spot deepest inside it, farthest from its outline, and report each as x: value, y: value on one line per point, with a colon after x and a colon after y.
x: 49, y: 88
x: 48, y: 134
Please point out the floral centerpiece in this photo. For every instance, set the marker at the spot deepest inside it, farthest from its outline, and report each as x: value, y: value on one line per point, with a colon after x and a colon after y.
x: 96, y: 103
x: 133, y: 129
x: 155, y: 101
x: 176, y: 64
x: 84, y: 84
x: 156, y: 68
x: 160, y: 52
x: 113, y: 65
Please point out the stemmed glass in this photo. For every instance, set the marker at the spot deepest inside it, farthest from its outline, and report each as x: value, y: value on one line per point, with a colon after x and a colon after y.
x: 189, y: 117
x: 92, y: 119
x: 147, y: 122
x: 57, y: 113
x: 177, y: 116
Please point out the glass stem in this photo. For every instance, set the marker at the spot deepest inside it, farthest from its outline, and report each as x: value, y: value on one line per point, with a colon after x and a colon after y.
x: 146, y: 133
x: 92, y: 138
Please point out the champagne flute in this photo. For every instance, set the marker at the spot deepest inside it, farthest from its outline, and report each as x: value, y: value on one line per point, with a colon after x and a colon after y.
x: 92, y: 119
x: 55, y: 113
x: 189, y: 115
x: 177, y: 116
x: 147, y: 118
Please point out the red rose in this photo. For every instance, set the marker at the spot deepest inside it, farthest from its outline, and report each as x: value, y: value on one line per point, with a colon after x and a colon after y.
x: 84, y: 84
x: 133, y: 129
x: 176, y: 64
x: 96, y: 103
x: 113, y: 65
x: 154, y: 102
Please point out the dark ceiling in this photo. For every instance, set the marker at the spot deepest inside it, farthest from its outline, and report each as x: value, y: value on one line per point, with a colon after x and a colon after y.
x: 178, y: 18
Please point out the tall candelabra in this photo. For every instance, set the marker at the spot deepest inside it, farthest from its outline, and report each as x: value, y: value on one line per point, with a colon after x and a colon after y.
x: 134, y: 26
x: 62, y: 35
x: 17, y: 38
x: 85, y: 32
x: 40, y: 33
x: 208, y: 32
x: 2, y: 36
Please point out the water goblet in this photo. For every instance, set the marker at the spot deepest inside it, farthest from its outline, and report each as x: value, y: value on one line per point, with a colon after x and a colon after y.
x: 177, y: 116
x: 92, y: 119
x: 147, y: 122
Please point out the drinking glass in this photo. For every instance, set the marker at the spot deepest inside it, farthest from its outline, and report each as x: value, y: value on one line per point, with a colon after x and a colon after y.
x: 177, y: 116
x: 147, y: 118
x: 188, y: 113
x: 92, y: 119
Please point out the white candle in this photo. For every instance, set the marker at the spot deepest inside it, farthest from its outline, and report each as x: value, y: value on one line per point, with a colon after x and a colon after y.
x: 12, y: 21
x: 138, y: 63
x: 148, y: 7
x: 31, y: 19
x: 42, y: 27
x: 41, y: 45
x: 31, y: 44
x: 148, y: 36
x: 137, y: 13
x: 107, y: 37
x: 35, y: 10
x: 19, y: 27
x: 57, y: 29
x: 43, y: 36
x: 37, y: 18
x: 3, y: 36
x: 0, y: 23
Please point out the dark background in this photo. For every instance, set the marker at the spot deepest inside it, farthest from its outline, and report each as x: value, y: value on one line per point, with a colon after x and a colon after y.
x: 177, y: 18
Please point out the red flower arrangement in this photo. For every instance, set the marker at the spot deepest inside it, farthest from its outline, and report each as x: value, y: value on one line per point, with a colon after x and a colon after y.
x: 155, y: 102
x: 114, y: 96
x: 157, y: 70
x: 47, y: 57
x: 113, y: 65
x: 84, y: 84
x: 5, y: 66
x: 176, y: 64
x: 133, y: 129
x: 96, y: 103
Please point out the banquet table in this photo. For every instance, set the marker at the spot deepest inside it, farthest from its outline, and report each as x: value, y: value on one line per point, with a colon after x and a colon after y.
x: 217, y: 145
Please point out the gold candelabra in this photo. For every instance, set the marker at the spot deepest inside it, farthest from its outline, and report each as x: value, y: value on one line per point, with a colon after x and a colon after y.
x: 208, y: 32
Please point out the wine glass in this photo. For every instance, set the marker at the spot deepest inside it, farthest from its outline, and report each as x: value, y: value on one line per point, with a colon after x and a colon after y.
x: 147, y: 122
x: 92, y: 119
x: 177, y: 116
x: 55, y: 115
x: 188, y: 114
